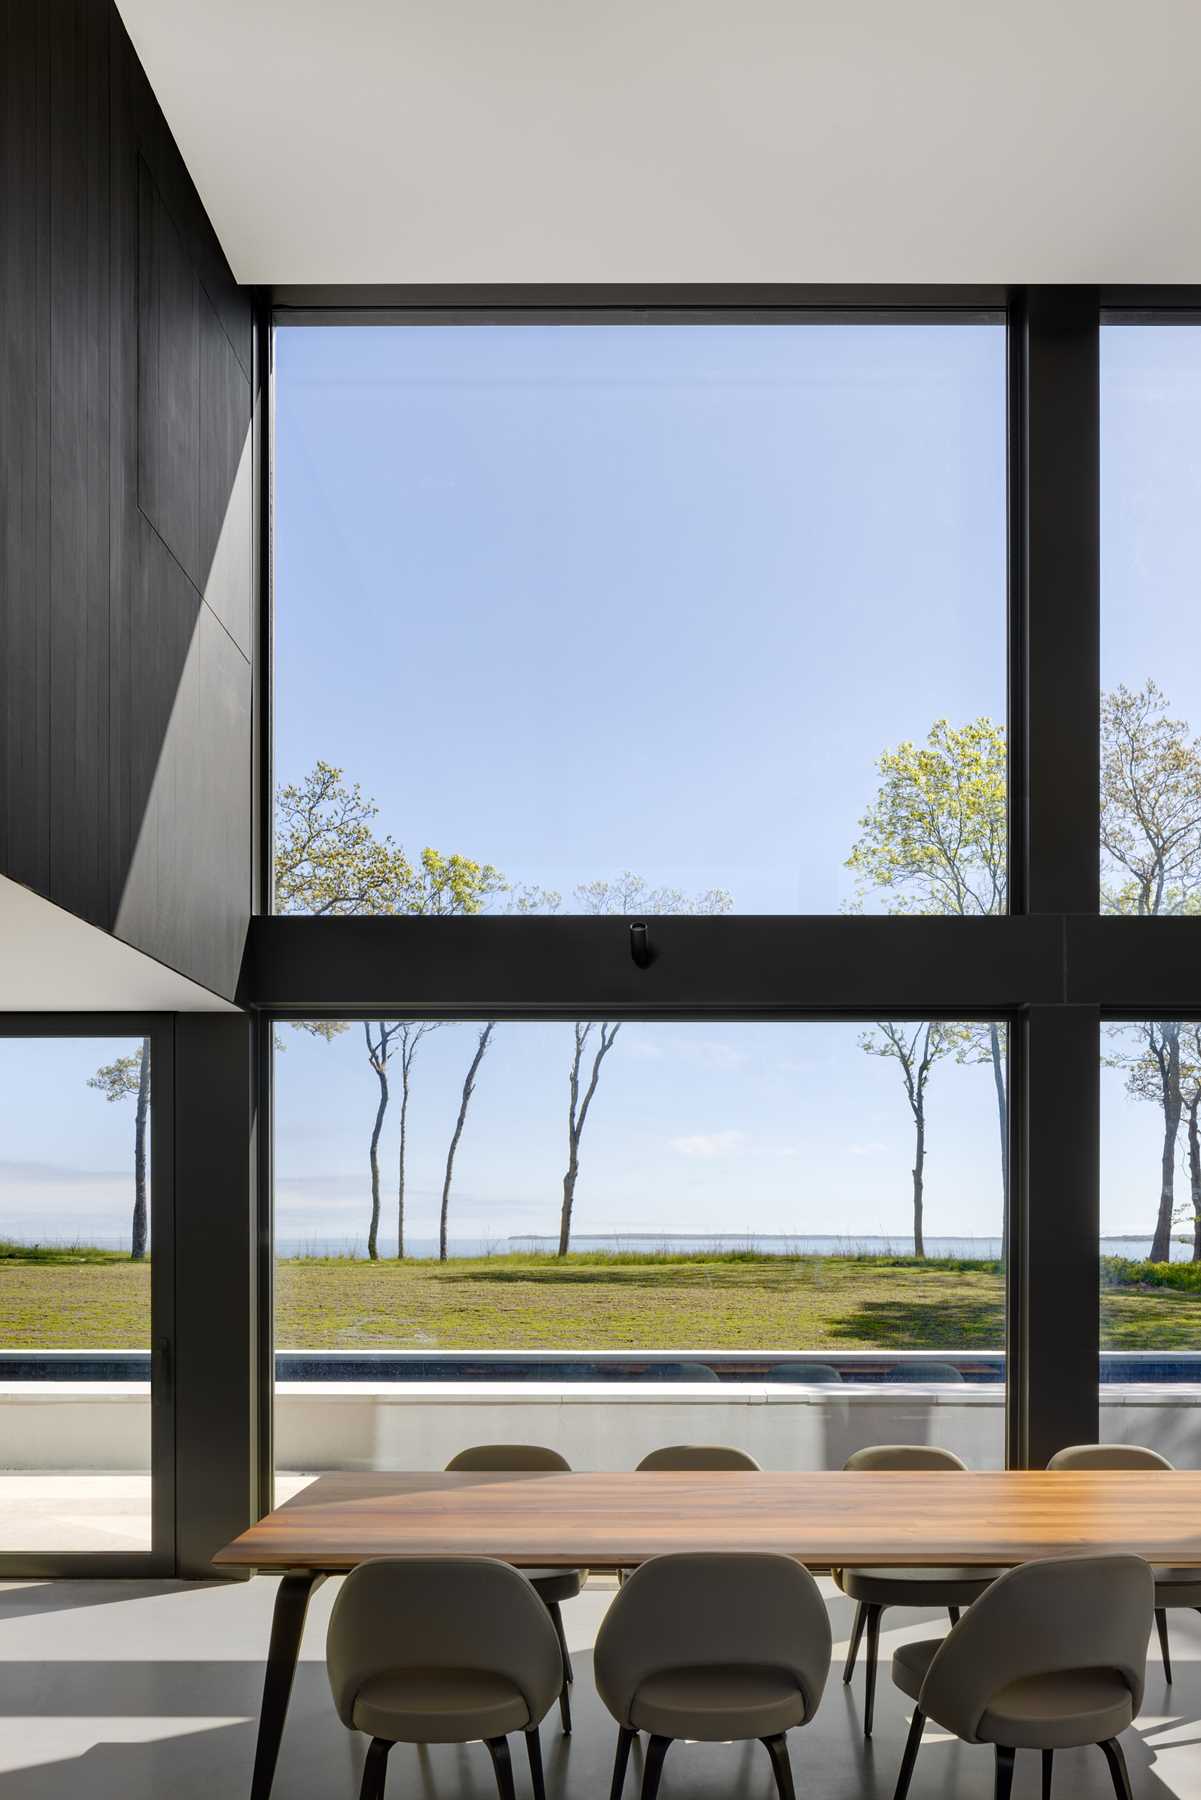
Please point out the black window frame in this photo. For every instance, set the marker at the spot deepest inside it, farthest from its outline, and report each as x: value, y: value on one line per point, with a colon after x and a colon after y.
x: 1051, y: 968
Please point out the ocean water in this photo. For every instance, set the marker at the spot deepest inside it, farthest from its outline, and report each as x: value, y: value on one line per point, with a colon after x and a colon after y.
x: 987, y: 1248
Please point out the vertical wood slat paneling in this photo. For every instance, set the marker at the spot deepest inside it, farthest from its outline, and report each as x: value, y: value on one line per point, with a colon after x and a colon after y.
x: 24, y: 572
x: 106, y: 260
x: 79, y: 396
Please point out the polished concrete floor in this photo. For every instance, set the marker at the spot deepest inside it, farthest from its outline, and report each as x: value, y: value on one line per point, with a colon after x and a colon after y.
x: 149, y: 1691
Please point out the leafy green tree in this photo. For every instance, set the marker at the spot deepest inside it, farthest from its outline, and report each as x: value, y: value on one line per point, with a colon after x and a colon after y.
x: 1150, y: 806
x: 935, y: 840
x: 116, y: 1080
x: 916, y: 1049
x: 1151, y: 865
x: 328, y: 860
x: 481, y: 1050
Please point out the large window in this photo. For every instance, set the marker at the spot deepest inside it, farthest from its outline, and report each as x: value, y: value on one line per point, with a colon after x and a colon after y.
x: 811, y: 1213
x: 75, y: 1304
x: 1151, y: 650
x: 1151, y: 1235
x: 696, y: 617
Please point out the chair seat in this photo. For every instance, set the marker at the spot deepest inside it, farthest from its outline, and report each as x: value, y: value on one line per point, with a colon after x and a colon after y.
x: 439, y: 1706
x: 915, y: 1587
x: 1177, y: 1587
x: 554, y: 1585
x: 1064, y: 1711
x: 716, y: 1704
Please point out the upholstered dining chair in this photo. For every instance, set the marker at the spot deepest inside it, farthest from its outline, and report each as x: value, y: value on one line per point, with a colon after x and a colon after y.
x: 804, y: 1374
x: 442, y: 1650
x: 1052, y: 1657
x: 716, y: 1457
x: 552, y: 1586
x: 713, y: 1646
x: 874, y: 1589
x: 1173, y: 1587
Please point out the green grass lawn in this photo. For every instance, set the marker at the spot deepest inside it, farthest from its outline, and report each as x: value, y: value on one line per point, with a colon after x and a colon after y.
x: 87, y: 1299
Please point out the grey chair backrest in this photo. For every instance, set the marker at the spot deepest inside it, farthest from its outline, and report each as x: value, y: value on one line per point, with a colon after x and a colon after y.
x: 722, y: 1608
x: 698, y: 1456
x: 441, y: 1612
x: 935, y: 1373
x: 511, y: 1458
x: 681, y: 1371
x: 904, y: 1456
x: 808, y: 1374
x: 1108, y: 1456
x: 1084, y: 1612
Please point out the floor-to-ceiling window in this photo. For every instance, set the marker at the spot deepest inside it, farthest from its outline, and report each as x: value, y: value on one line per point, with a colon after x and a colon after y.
x: 697, y: 618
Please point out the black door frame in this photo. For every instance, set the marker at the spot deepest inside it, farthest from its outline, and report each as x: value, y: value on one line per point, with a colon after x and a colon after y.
x: 160, y: 1559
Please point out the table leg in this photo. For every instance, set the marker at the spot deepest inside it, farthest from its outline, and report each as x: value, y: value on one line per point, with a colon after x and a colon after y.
x: 287, y: 1625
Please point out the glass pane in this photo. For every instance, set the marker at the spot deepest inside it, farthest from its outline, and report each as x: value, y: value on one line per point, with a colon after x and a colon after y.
x: 1150, y: 654
x: 75, y: 1293
x: 619, y: 618
x: 738, y: 1207
x: 1151, y: 1237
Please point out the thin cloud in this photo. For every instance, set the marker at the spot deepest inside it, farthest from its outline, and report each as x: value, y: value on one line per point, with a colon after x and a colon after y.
x: 709, y: 1144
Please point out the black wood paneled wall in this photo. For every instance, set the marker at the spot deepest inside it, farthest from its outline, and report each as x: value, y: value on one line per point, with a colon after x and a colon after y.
x: 126, y: 493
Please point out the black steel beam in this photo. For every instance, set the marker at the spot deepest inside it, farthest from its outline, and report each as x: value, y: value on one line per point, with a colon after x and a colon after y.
x: 1054, y: 1258
x: 217, y: 1386
x: 1146, y: 966
x: 583, y: 967
x: 1055, y: 600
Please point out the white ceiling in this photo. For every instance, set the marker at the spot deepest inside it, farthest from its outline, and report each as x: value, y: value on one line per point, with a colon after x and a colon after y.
x: 50, y: 961
x: 688, y: 140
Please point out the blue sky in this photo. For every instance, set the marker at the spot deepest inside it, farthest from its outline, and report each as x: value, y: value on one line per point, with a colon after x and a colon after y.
x: 581, y: 600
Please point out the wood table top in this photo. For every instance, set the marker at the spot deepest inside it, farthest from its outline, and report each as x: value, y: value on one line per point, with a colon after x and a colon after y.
x: 861, y: 1519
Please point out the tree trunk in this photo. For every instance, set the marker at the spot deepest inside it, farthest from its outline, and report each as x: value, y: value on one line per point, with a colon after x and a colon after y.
x: 400, y: 1177
x: 1161, y: 1243
x: 919, y: 1178
x: 569, y: 1181
x: 381, y: 1075
x: 465, y: 1101
x: 998, y: 1070
x: 1194, y: 1172
x: 138, y: 1236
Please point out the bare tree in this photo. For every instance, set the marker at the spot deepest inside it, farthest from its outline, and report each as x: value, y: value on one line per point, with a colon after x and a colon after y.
x: 379, y: 1053
x: 1190, y: 1089
x: 1152, y: 1068
x: 916, y: 1050
x: 131, y: 1075
x: 411, y: 1032
x: 577, y: 1115
x: 481, y: 1048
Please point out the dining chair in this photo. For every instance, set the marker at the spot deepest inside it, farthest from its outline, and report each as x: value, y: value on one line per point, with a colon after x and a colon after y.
x: 442, y: 1650
x: 934, y: 1374
x: 804, y: 1374
x: 874, y: 1589
x: 717, y: 1457
x: 552, y: 1586
x: 715, y: 1646
x: 1052, y: 1657
x: 1173, y: 1587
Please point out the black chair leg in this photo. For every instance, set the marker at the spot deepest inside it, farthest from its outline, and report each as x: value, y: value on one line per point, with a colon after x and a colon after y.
x: 625, y: 1738
x: 913, y: 1744
x: 533, y: 1745
x: 1005, y: 1758
x: 873, y: 1659
x: 1048, y: 1771
x: 374, y: 1770
x: 777, y: 1749
x: 1117, y: 1768
x: 556, y: 1619
x: 656, y: 1750
x: 502, y: 1762
x: 856, y: 1636
x: 1161, y: 1625
x: 953, y: 1614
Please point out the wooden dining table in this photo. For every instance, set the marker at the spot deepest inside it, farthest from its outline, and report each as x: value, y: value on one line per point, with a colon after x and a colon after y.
x: 861, y: 1519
